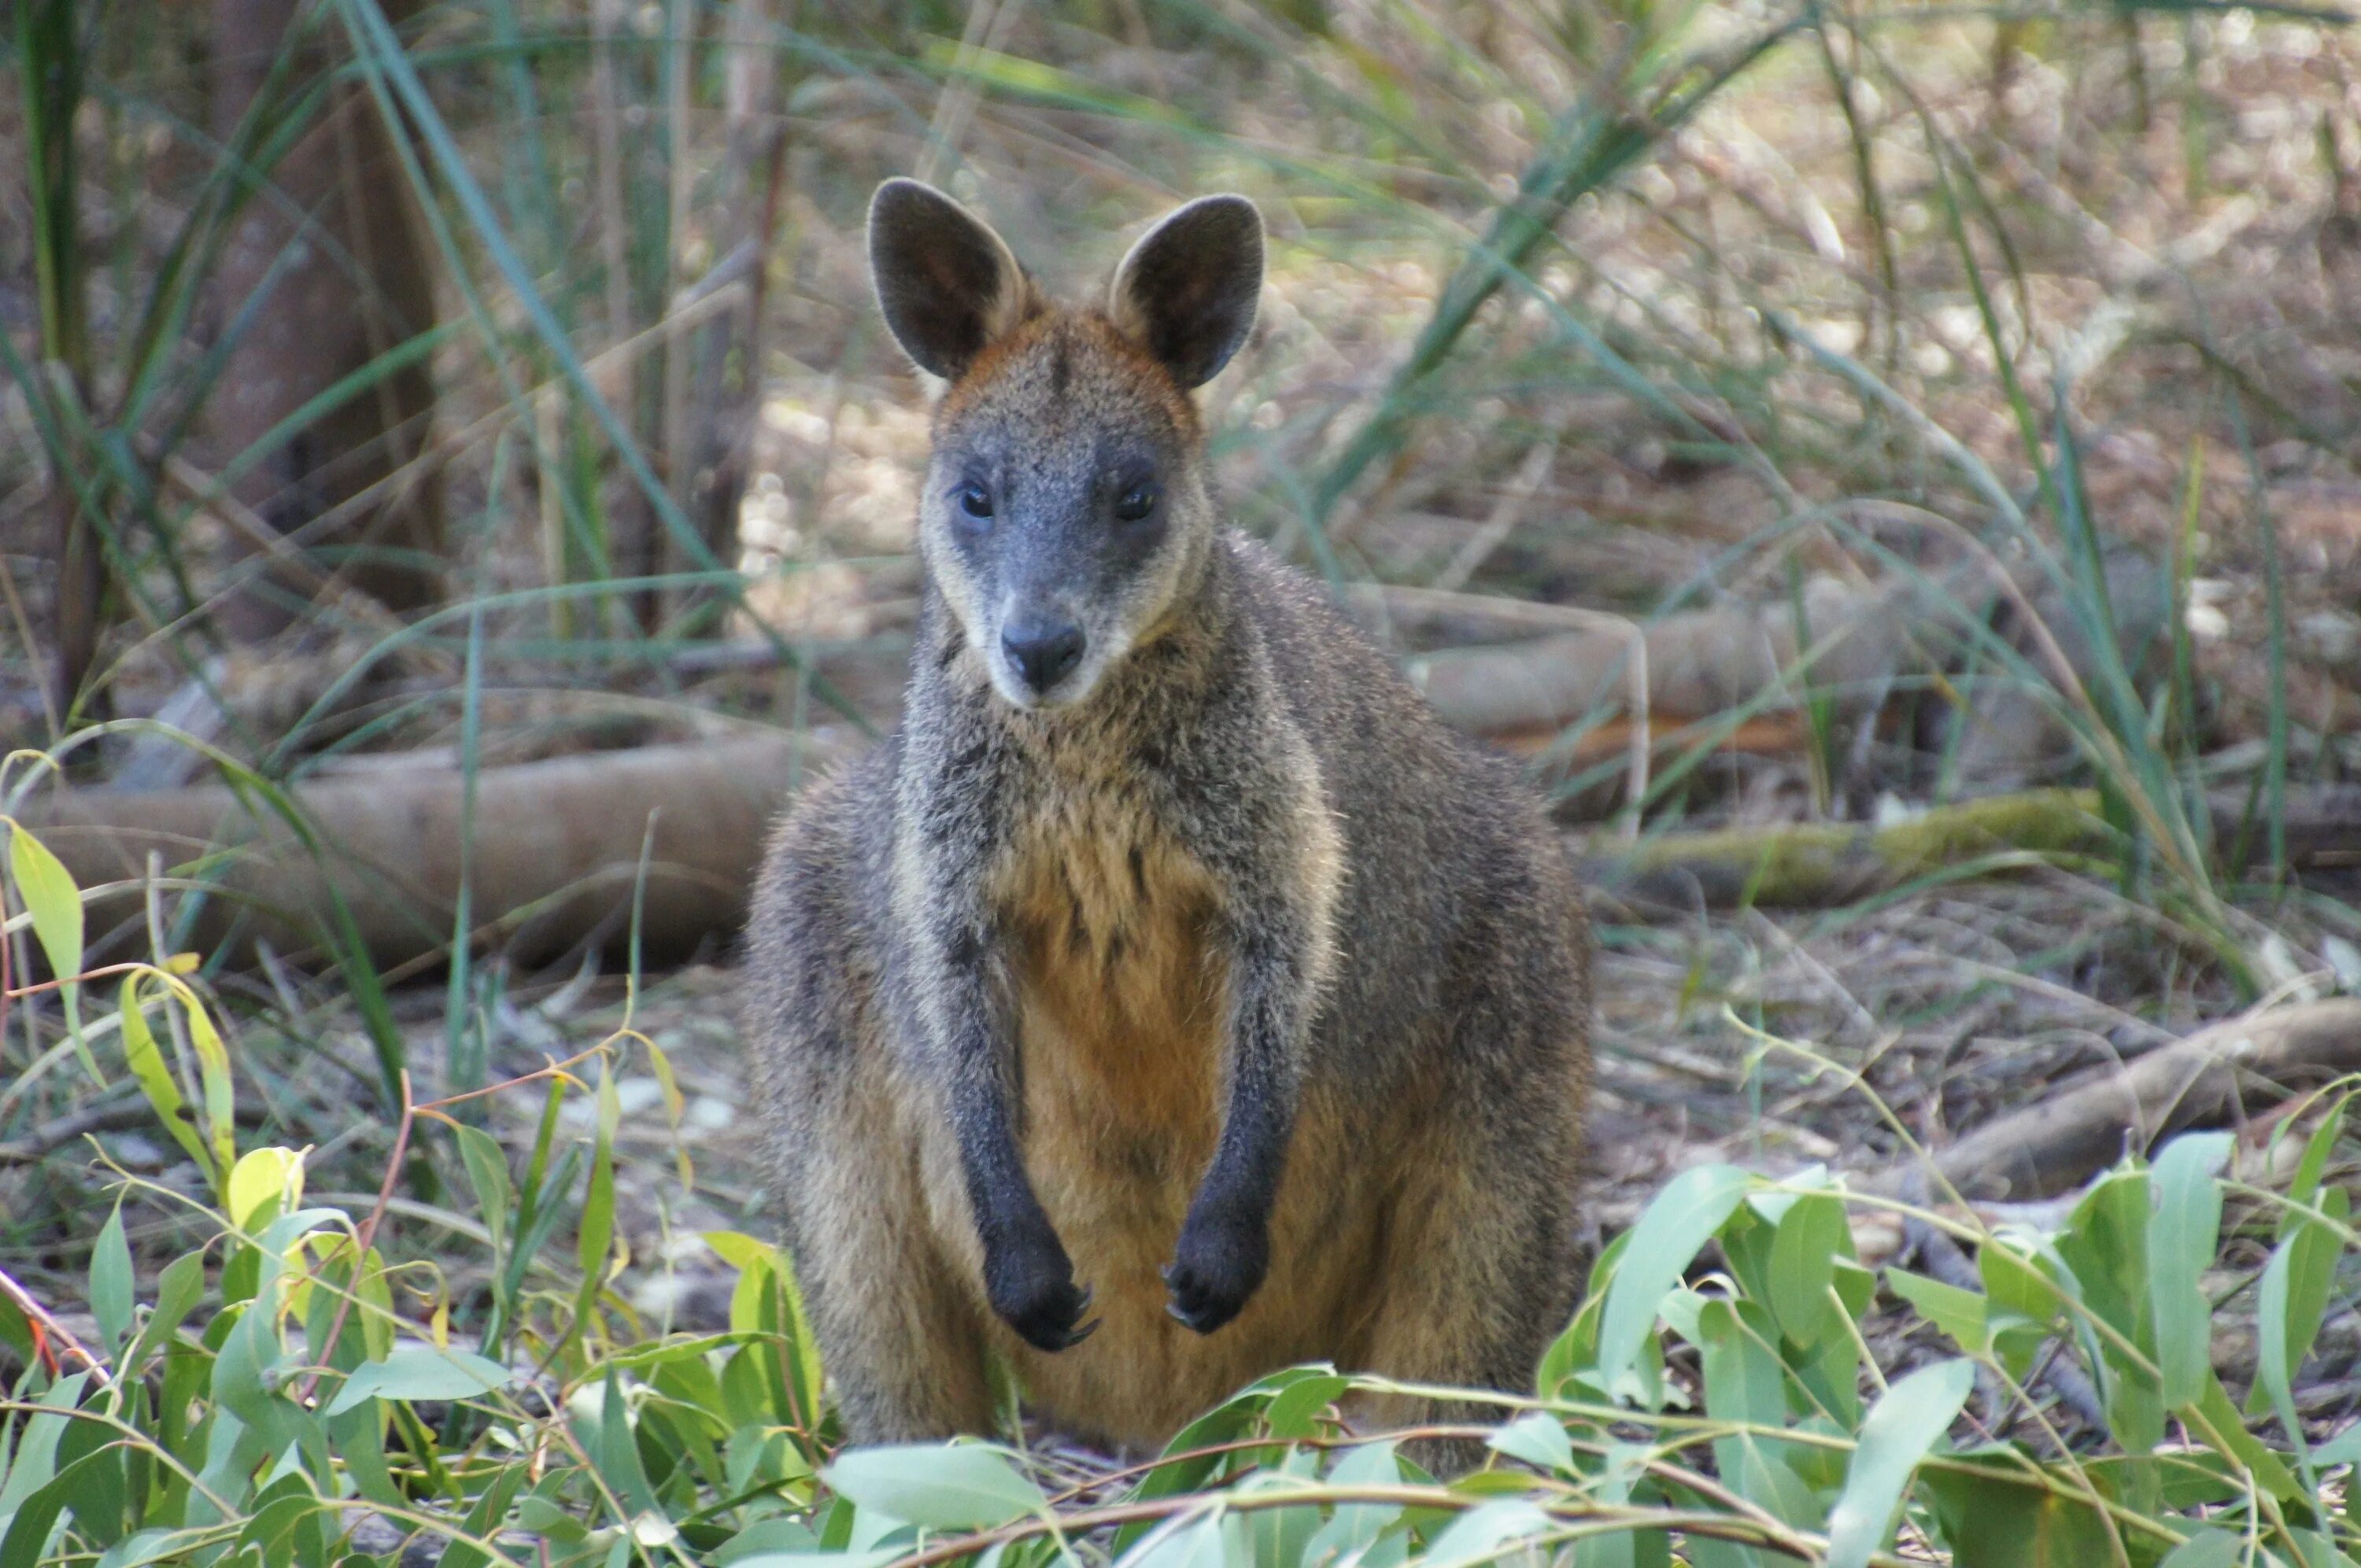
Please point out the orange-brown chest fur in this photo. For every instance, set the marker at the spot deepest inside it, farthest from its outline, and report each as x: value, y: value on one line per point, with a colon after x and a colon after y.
x: 1122, y: 996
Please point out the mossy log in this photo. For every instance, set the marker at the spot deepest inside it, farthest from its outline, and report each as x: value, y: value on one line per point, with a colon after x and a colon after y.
x: 1819, y: 865
x: 1814, y: 864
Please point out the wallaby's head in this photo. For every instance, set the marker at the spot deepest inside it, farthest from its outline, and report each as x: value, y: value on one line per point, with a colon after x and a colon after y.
x: 1066, y: 507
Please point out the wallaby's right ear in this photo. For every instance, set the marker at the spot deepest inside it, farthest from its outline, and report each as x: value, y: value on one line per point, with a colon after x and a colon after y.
x: 946, y: 282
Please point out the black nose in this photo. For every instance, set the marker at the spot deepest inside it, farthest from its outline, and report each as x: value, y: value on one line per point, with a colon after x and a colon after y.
x: 1043, y: 652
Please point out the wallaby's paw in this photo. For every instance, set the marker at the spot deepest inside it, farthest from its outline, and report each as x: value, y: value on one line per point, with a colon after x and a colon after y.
x: 1217, y: 1267
x: 1032, y: 1289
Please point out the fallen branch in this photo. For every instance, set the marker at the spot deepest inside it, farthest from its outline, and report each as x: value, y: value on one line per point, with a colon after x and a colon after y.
x: 2213, y: 1076
x: 557, y: 851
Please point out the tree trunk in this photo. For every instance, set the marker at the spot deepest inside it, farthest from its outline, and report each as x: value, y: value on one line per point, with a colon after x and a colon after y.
x: 728, y: 351
x: 336, y: 250
x: 49, y: 57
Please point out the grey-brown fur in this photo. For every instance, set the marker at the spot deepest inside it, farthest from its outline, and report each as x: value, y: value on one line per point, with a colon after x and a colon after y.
x: 1199, y: 1007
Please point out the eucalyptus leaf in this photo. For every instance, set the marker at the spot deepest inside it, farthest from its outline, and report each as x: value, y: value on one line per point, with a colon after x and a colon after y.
x: 939, y: 1485
x: 423, y: 1373
x: 1899, y: 1432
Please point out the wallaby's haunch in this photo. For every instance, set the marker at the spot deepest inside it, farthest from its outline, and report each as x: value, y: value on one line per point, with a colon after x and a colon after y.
x: 1171, y: 999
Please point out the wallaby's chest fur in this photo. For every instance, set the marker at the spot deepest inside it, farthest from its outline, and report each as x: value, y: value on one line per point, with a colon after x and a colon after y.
x: 1119, y: 994
x: 1121, y: 1000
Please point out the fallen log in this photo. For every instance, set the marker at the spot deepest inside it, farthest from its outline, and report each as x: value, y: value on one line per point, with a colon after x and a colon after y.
x: 1816, y: 865
x: 2212, y: 1077
x: 558, y: 849
x: 1699, y: 662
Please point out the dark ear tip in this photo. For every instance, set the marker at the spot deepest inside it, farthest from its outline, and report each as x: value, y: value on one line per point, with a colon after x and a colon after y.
x: 1231, y: 208
x: 903, y: 194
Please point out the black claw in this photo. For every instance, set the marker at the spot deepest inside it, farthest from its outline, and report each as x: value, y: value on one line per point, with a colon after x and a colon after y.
x: 1082, y: 1333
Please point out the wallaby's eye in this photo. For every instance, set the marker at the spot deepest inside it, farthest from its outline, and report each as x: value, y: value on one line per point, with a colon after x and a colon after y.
x: 1136, y: 502
x: 975, y: 501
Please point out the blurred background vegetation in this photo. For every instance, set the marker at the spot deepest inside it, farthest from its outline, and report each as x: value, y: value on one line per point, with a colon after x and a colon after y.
x: 1889, y: 466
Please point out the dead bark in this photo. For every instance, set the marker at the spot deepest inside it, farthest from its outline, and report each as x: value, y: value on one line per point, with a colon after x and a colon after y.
x: 2214, y: 1076
x: 338, y: 255
x: 557, y: 850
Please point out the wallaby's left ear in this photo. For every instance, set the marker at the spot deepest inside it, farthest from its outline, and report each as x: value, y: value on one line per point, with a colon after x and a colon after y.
x: 1189, y: 288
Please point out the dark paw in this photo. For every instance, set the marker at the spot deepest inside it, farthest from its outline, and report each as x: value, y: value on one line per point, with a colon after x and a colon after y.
x: 1031, y: 1285
x: 1218, y: 1265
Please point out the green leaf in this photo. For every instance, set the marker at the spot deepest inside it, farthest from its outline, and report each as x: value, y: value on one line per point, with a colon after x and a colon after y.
x: 1959, y: 1313
x: 1811, y: 1235
x: 57, y: 922
x: 1294, y: 1412
x: 766, y: 1535
x: 177, y: 1290
x: 483, y: 1520
x: 147, y: 1546
x: 2182, y: 1237
x: 1675, y: 1225
x: 111, y: 1283
x: 263, y: 1183
x: 1994, y: 1516
x: 1279, y: 1535
x: 55, y: 906
x: 938, y: 1485
x: 155, y: 1081
x: 595, y: 1240
x: 1899, y: 1431
x: 422, y: 1373
x: 2314, y: 1163
x: 616, y: 1452
x: 1746, y: 1384
x: 487, y: 1173
x: 1218, y: 1539
x: 31, y: 1524
x: 2314, y: 1250
x: 33, y: 1460
x: 2209, y: 1548
x: 1480, y: 1534
x: 2015, y: 1284
x: 214, y: 1081
x: 2103, y: 1262
x: 2239, y: 1445
x: 1538, y: 1439
x: 1355, y: 1527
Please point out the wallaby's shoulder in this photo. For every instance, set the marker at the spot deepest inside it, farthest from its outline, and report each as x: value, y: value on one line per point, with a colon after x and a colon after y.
x: 1334, y: 673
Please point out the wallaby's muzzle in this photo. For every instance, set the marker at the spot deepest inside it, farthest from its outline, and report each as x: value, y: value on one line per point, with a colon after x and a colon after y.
x: 1042, y: 651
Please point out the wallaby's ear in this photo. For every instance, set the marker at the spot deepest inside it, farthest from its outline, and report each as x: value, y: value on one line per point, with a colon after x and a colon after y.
x: 946, y: 283
x: 1189, y: 288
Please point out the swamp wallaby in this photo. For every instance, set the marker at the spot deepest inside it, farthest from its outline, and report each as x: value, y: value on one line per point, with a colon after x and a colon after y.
x: 1171, y: 998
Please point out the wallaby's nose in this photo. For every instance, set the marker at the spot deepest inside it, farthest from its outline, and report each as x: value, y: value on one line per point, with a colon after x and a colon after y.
x: 1042, y: 651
